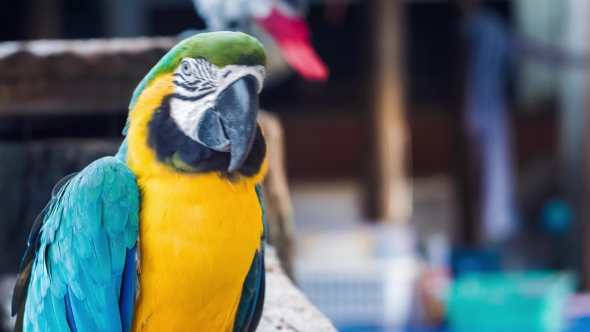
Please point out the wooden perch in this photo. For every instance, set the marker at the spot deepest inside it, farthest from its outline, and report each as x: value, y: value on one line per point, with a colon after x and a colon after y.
x: 276, y: 191
x: 286, y: 309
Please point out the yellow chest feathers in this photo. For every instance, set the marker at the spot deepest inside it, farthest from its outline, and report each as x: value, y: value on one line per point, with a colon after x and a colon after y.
x: 198, y: 234
x: 195, y: 253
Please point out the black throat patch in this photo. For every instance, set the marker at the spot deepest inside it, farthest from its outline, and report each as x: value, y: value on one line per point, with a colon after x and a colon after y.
x: 170, y: 143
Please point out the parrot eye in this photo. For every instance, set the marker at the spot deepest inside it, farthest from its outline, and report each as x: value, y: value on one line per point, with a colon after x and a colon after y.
x: 186, y: 68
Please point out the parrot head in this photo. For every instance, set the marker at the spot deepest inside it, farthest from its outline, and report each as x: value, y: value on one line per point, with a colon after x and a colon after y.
x: 199, y: 105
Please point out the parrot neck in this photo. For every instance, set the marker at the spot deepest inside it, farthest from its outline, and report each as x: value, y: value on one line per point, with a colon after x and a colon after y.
x: 144, y: 161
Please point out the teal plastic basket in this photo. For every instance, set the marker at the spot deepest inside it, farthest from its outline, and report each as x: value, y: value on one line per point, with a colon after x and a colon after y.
x: 510, y: 302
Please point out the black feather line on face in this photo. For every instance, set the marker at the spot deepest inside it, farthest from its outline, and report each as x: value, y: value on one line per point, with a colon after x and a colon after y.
x: 186, y: 86
x: 195, y: 98
x: 166, y: 139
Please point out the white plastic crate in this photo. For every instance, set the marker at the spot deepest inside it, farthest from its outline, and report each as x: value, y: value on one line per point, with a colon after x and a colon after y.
x: 373, y: 292
x: 359, y: 276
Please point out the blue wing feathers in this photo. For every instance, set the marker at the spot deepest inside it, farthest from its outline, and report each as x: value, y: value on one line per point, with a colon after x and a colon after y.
x: 83, y: 247
x: 83, y: 273
x: 55, y: 319
x: 127, y: 296
x: 263, y: 207
x: 69, y: 313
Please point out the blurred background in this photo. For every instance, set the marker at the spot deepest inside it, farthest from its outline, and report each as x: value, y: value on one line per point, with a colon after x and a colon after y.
x: 437, y: 178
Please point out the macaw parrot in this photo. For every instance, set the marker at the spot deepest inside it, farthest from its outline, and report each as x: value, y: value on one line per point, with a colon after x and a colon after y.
x: 279, y: 18
x: 167, y: 235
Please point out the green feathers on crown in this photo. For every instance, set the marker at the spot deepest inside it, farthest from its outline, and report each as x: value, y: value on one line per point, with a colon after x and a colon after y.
x: 220, y: 48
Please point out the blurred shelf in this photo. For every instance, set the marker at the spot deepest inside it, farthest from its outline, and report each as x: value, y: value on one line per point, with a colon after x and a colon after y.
x: 74, y: 76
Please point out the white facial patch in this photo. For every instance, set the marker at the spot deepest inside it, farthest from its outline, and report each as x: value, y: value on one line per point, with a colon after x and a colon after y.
x: 197, y: 84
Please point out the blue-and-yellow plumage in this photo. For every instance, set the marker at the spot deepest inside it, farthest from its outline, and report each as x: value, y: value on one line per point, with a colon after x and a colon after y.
x: 142, y: 242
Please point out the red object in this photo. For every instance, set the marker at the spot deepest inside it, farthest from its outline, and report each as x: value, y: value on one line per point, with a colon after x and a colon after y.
x: 292, y: 36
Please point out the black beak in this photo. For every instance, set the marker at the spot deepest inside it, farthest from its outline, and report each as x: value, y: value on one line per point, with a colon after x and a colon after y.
x: 231, y: 125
